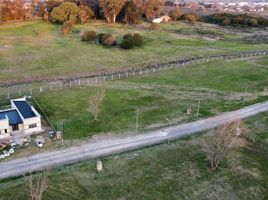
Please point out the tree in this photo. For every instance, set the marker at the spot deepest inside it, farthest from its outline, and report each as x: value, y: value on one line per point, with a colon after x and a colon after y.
x: 29, y: 14
x: 111, y: 8
x: 220, y: 140
x: 95, y: 103
x: 66, y: 27
x: 66, y: 11
x: 175, y: 14
x: 131, y: 11
x: 152, y: 8
x: 85, y: 13
x: 41, y: 9
x: 51, y: 4
x: 46, y: 16
x: 38, y: 185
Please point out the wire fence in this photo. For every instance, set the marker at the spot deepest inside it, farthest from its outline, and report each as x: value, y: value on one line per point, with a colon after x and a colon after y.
x: 30, y: 89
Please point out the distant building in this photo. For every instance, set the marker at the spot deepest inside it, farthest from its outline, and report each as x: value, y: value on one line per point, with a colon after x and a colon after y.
x: 21, y: 118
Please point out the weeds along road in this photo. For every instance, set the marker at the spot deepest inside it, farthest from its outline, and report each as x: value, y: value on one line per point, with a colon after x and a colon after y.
x: 87, y: 151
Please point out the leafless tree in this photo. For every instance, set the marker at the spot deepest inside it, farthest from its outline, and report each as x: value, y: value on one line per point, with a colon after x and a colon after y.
x: 220, y: 140
x: 37, y: 185
x: 95, y: 103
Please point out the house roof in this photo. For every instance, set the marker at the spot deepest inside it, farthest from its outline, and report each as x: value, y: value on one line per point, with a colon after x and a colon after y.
x: 13, y: 116
x: 24, y: 108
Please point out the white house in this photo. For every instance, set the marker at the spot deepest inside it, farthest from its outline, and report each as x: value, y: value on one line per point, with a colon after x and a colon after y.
x: 159, y: 20
x: 21, y: 118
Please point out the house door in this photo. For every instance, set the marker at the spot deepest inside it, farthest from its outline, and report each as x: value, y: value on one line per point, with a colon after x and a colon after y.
x: 15, y: 127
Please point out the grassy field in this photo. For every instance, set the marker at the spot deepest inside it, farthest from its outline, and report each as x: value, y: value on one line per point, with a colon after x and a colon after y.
x: 36, y: 50
x: 159, y: 98
x: 177, y: 170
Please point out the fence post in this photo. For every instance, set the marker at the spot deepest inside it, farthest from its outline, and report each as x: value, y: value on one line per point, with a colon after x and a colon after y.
x: 31, y: 92
x: 79, y: 82
x: 8, y: 96
x: 51, y: 87
x: 19, y: 92
x: 70, y: 83
x: 41, y: 89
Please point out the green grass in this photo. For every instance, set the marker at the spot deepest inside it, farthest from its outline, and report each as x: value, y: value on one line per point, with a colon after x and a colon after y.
x: 159, y: 98
x: 37, y: 50
x: 232, y: 76
x: 169, y: 171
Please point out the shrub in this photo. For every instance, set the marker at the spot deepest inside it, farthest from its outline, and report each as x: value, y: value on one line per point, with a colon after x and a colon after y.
x: 191, y: 18
x: 127, y: 44
x: 175, y: 14
x: 99, y: 37
x: 129, y: 41
x: 90, y: 36
x: 137, y: 39
x: 108, y: 40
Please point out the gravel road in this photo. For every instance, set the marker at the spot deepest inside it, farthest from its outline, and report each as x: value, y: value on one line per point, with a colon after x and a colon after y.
x: 97, y: 149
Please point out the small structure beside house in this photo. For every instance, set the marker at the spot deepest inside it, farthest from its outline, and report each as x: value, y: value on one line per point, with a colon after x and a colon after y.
x: 21, y: 118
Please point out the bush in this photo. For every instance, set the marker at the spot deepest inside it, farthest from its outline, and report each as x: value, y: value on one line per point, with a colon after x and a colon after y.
x: 129, y: 41
x: 91, y: 36
x: 108, y: 40
x: 127, y: 44
x: 175, y: 14
x: 99, y: 37
x: 190, y: 18
x: 137, y: 39
x: 128, y: 37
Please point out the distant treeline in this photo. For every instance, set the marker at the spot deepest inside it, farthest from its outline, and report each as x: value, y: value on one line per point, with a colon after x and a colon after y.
x: 228, y: 19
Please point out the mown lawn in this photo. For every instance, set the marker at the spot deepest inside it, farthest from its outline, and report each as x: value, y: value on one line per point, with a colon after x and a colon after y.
x: 177, y: 170
x: 37, y: 50
x: 159, y: 98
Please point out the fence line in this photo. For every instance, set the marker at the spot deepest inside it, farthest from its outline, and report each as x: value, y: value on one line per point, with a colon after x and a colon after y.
x: 36, y: 88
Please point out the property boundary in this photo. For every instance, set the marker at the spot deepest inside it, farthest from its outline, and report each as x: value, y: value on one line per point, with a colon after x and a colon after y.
x: 28, y: 89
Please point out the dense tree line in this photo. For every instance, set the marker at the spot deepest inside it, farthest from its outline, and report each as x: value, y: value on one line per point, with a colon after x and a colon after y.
x: 58, y: 11
x: 16, y: 10
x: 236, y: 20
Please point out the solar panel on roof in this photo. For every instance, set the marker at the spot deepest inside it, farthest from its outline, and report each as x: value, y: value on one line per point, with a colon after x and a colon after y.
x: 25, y: 109
x: 13, y: 116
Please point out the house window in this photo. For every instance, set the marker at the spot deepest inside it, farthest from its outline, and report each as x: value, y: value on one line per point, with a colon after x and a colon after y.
x: 5, y: 130
x: 32, y: 125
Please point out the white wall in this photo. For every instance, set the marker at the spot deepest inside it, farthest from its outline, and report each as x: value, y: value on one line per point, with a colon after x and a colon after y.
x: 29, y: 121
x: 4, y: 125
